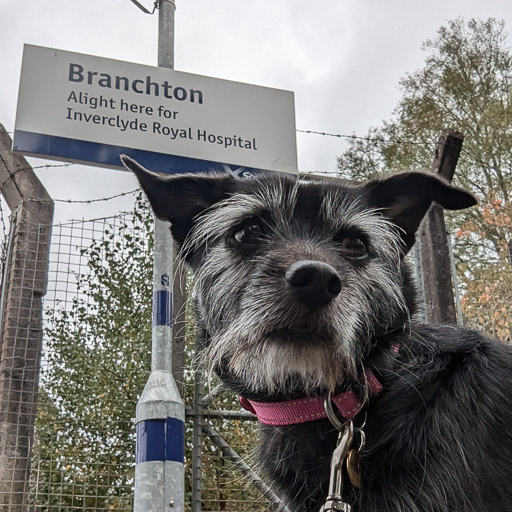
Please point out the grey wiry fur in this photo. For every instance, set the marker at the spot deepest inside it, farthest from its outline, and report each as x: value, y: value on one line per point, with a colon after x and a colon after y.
x: 256, y: 301
x: 301, y: 287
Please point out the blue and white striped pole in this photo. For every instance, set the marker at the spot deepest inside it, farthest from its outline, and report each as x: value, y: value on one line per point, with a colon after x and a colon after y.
x: 159, y: 474
x: 160, y: 417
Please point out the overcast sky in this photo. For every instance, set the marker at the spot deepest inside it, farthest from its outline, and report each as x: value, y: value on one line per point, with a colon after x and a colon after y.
x: 342, y: 58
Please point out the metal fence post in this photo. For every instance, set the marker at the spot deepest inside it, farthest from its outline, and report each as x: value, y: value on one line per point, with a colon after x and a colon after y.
x: 197, y: 443
x: 159, y: 474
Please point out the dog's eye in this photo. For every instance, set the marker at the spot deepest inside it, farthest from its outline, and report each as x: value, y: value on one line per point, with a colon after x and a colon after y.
x: 249, y: 234
x: 353, y: 247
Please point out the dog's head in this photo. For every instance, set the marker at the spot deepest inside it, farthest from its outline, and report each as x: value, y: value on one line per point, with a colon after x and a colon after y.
x: 295, y: 279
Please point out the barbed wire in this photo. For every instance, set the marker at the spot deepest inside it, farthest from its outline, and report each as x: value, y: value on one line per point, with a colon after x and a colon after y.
x: 29, y: 168
x: 97, y: 200
x: 47, y: 166
x: 318, y: 172
x: 495, y: 206
x: 358, y: 137
x: 350, y: 137
x: 334, y: 173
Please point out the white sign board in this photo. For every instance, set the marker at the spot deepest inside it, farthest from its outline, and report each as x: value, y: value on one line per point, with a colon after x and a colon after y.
x: 89, y: 109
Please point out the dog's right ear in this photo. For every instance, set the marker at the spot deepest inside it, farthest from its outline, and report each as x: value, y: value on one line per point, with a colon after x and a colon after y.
x: 179, y: 199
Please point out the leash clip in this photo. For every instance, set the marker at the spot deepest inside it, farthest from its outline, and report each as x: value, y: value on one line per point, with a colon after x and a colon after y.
x: 334, y: 501
x: 343, y: 455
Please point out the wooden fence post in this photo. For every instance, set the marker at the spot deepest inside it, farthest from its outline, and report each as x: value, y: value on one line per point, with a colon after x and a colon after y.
x: 23, y: 286
x: 435, y: 258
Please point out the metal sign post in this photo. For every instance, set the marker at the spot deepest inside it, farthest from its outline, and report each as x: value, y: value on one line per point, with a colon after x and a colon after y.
x: 159, y: 472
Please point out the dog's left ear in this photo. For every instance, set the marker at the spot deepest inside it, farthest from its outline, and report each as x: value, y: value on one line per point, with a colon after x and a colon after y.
x: 179, y: 199
x: 405, y: 199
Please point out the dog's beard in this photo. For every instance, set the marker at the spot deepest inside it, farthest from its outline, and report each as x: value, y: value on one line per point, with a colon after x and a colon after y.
x: 266, y: 364
x: 272, y: 368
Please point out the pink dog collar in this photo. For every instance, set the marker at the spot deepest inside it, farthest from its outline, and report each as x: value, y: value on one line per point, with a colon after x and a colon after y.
x: 308, y: 409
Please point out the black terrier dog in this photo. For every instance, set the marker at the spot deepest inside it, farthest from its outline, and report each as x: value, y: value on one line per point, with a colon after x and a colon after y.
x: 302, y: 293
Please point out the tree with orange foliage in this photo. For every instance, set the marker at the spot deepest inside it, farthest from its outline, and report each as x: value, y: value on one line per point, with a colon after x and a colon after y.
x: 465, y: 85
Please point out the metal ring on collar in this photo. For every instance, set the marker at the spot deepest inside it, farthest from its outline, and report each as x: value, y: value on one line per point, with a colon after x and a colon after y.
x: 331, y: 415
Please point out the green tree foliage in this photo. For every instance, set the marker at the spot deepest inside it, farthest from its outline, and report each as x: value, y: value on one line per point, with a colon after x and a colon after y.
x: 466, y: 85
x: 97, y: 361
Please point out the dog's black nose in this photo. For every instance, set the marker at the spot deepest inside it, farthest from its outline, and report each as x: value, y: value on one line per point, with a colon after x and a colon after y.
x: 315, y: 283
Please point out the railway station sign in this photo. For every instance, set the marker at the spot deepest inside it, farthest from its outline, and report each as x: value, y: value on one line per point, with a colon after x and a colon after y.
x: 88, y: 109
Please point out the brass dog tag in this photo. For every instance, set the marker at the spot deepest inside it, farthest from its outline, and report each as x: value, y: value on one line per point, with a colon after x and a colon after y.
x: 354, y: 469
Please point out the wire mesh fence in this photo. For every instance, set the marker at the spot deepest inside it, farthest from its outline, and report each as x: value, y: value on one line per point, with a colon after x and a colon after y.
x: 68, y: 415
x: 95, y: 360
x: 222, y: 464
x: 487, y: 298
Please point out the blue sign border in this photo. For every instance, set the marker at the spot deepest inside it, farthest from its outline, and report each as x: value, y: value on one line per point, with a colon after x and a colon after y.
x: 93, y: 153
